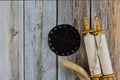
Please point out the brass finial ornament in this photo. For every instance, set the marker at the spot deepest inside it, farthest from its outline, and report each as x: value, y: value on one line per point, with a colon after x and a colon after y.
x: 98, y: 27
x: 109, y: 77
x: 87, y: 27
x: 97, y: 77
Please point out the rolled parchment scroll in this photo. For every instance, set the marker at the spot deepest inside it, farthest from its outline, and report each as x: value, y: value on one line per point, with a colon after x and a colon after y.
x: 103, y: 51
x: 93, y: 60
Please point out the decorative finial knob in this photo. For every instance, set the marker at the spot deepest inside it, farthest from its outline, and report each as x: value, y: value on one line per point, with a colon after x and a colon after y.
x: 97, y: 24
x: 87, y: 27
x: 98, y: 27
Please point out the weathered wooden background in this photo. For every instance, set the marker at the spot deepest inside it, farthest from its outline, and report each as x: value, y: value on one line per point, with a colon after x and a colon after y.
x: 24, y: 27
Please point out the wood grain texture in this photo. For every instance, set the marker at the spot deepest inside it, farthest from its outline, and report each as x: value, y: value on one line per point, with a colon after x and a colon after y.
x: 48, y: 58
x: 108, y: 13
x: 40, y: 61
x: 73, y: 12
x: 11, y: 40
x: 40, y: 17
x: 81, y: 9
x: 65, y: 17
x: 16, y: 40
x: 4, y: 61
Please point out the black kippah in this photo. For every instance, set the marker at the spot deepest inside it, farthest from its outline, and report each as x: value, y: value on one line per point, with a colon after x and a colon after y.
x: 64, y: 40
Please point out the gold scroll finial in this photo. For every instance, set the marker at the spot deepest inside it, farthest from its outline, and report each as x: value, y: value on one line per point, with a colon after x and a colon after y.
x: 96, y: 77
x: 87, y: 27
x: 98, y: 27
x: 109, y: 77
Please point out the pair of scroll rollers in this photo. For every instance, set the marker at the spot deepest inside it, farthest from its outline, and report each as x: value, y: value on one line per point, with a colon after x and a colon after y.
x: 97, y: 50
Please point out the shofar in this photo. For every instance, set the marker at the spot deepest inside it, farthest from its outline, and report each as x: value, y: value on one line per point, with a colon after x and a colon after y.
x: 103, y: 50
x: 80, y: 72
x: 91, y: 50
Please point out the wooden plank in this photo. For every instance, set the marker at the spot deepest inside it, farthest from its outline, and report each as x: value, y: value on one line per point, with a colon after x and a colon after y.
x: 11, y: 40
x: 48, y: 58
x: 73, y: 12
x: 16, y: 40
x: 65, y: 17
x: 108, y: 13
x: 40, y: 61
x: 4, y: 66
x: 81, y: 9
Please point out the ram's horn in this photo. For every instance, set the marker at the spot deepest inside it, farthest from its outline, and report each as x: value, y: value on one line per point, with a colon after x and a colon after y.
x: 80, y: 72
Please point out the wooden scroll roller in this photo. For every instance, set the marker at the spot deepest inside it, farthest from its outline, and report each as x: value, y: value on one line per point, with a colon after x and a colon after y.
x: 91, y: 51
x: 103, y: 51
